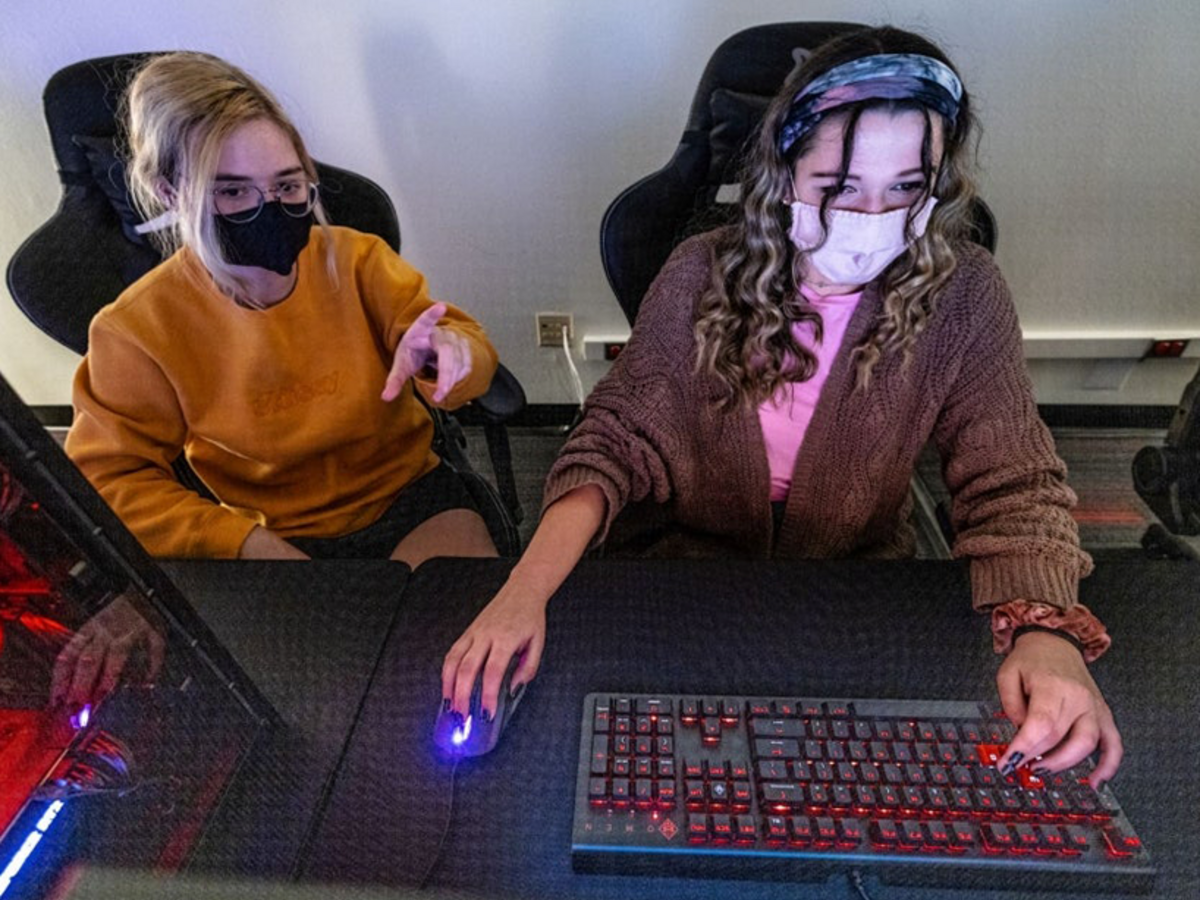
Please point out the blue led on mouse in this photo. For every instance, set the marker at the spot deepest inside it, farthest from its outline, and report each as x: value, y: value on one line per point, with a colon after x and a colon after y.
x: 477, y: 733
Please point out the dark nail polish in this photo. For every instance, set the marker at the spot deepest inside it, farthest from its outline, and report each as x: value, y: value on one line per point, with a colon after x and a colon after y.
x: 1007, y: 768
x: 1042, y: 772
x: 445, y: 704
x: 484, y: 717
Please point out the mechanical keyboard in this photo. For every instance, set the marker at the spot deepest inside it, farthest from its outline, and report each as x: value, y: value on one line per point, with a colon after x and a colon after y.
x: 787, y: 788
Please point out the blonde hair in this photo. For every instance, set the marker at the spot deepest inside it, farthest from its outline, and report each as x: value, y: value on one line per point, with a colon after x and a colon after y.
x: 743, y: 331
x: 179, y: 110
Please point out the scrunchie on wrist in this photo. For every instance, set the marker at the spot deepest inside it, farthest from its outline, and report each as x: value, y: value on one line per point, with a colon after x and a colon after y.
x: 1087, y: 631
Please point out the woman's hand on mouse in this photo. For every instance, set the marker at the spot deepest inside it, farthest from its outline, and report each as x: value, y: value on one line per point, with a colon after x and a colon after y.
x: 514, y: 623
x: 515, y: 620
x: 1048, y: 692
x: 425, y: 343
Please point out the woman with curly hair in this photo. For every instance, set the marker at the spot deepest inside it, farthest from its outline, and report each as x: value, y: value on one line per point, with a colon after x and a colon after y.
x: 785, y: 372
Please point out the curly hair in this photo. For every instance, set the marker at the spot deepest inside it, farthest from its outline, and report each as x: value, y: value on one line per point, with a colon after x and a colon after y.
x: 744, y: 334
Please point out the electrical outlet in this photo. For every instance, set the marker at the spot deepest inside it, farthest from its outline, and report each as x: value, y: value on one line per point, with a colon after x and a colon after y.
x: 603, y: 347
x: 550, y: 328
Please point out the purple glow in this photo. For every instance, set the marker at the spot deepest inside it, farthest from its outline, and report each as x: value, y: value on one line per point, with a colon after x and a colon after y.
x: 461, y: 734
x: 80, y: 719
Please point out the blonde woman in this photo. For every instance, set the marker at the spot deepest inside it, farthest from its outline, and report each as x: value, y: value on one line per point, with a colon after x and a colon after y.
x: 785, y: 372
x: 279, y: 353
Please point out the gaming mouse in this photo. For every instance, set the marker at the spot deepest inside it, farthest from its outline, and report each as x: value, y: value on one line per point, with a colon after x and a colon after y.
x: 473, y: 735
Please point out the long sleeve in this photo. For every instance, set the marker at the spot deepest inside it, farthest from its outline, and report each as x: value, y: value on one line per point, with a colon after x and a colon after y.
x: 634, y: 424
x: 127, y: 431
x: 277, y: 410
x: 1011, y: 503
x: 396, y: 294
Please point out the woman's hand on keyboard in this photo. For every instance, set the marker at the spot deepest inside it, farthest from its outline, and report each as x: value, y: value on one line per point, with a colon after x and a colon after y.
x: 513, y: 623
x: 1048, y: 692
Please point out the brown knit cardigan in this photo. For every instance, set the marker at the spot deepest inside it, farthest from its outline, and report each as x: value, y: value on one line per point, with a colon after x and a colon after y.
x: 652, y: 431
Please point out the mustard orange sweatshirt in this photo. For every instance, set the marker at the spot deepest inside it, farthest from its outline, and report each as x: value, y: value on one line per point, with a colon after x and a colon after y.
x: 277, y: 410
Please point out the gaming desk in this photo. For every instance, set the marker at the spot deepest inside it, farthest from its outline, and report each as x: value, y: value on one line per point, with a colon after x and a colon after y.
x: 370, y: 796
x: 809, y: 629
x: 310, y: 637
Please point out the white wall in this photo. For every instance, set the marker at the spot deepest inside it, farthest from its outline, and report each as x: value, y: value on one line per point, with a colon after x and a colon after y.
x: 503, y: 129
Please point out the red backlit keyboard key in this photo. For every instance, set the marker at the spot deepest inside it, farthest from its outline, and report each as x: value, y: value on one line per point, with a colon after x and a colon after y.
x: 1077, y: 839
x: 776, y: 748
x: 825, y: 832
x: 884, y: 832
x: 643, y: 792
x: 849, y: 832
x: 1121, y: 842
x: 802, y: 830
x: 697, y: 828
x: 597, y: 790
x: 602, y: 717
x: 775, y: 829
x: 745, y: 829
x: 710, y: 729
x: 936, y: 834
x: 962, y: 834
x: 620, y: 790
x: 782, y: 795
x: 722, y: 828
x: 665, y: 793
x: 1025, y: 837
x: 622, y: 766
x: 912, y: 835
x: 599, y: 764
x: 772, y: 769
x: 996, y: 837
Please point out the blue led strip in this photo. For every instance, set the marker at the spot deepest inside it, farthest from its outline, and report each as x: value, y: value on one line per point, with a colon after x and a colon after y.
x: 27, y: 847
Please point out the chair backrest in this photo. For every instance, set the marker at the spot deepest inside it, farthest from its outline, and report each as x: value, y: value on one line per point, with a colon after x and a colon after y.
x: 88, y: 251
x: 651, y: 217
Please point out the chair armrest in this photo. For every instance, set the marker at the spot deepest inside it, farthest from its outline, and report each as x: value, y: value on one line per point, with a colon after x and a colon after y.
x: 504, y: 398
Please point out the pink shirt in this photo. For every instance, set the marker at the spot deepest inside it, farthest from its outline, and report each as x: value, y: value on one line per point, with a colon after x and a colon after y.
x: 785, y: 417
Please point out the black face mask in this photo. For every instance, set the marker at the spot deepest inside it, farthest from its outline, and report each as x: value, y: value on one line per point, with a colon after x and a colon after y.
x: 272, y: 240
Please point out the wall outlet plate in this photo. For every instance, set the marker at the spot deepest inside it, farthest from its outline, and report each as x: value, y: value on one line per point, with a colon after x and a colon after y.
x: 550, y: 327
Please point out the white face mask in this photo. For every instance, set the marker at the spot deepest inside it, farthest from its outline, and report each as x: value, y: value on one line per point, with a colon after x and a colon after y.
x: 860, y: 245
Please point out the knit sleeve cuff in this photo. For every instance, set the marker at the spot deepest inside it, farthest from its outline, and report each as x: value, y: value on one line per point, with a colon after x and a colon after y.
x: 1078, y: 622
x: 999, y: 579
x: 562, y: 481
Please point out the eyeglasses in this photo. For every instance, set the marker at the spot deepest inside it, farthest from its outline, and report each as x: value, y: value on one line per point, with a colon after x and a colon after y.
x: 239, y: 201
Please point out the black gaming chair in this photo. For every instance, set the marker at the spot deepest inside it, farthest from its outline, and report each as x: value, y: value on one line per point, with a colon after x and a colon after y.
x: 88, y: 252
x: 651, y: 217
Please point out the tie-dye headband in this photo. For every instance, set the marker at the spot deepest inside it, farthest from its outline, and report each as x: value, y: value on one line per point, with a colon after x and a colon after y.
x: 884, y: 76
